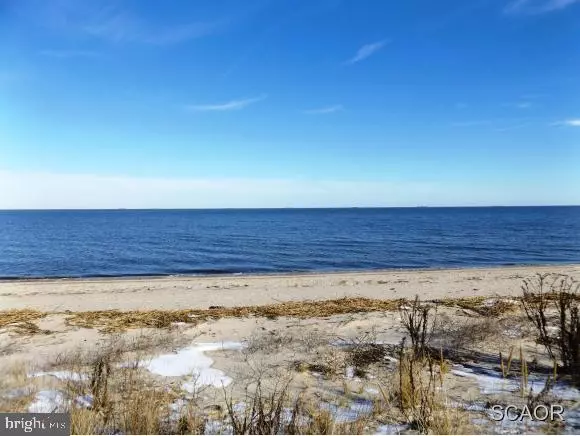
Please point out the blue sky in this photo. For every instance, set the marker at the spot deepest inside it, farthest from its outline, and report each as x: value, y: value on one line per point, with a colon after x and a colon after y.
x: 279, y: 103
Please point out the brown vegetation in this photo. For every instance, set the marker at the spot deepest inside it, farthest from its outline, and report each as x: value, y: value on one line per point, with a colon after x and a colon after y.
x: 21, y: 321
x: 552, y: 304
x: 116, y: 321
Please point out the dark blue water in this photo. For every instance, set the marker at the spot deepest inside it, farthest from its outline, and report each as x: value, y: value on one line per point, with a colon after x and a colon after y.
x: 155, y: 242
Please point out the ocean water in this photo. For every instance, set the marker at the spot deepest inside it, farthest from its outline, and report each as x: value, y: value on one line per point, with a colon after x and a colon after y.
x: 167, y: 242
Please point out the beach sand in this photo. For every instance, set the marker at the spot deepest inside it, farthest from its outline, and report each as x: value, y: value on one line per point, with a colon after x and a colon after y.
x: 230, y: 291
x: 318, y: 352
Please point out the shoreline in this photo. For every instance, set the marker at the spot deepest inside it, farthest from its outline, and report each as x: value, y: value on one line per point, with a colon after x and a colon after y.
x: 197, y: 292
x: 280, y: 274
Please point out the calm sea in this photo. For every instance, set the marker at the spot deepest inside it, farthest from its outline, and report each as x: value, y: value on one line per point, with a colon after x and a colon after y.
x: 165, y: 242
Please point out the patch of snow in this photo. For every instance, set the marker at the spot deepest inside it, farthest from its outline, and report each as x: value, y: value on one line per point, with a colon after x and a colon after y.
x: 514, y: 332
x: 354, y: 411
x: 572, y: 417
x: 192, y: 361
x: 49, y: 401
x: 492, y: 382
x: 471, y: 407
x: 239, y: 407
x: 61, y: 375
x: 217, y: 427
x: 12, y: 394
x: 387, y: 429
x: 372, y: 391
x: 507, y: 426
x: 84, y: 401
x: 349, y: 372
x: 52, y: 401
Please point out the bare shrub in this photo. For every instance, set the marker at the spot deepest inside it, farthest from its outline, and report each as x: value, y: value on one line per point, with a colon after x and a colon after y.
x: 262, y: 412
x: 270, y: 342
x: 421, y: 373
x: 277, y: 410
x: 363, y: 352
x: 464, y: 335
x: 419, y: 397
x: 552, y: 303
x: 418, y: 321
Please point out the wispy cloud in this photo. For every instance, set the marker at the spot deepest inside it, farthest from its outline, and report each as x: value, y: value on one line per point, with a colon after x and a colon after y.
x: 65, y: 54
x: 125, y: 28
x: 232, y: 105
x: 366, y: 51
x: 536, y: 6
x: 511, y: 127
x: 572, y: 122
x: 496, y: 124
x: 520, y: 105
x: 325, y: 110
x: 110, y: 21
x: 472, y: 123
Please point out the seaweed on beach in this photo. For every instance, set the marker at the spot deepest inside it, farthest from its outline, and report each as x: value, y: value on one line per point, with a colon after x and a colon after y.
x: 114, y: 320
x: 117, y: 320
x: 21, y: 321
x: 483, y: 306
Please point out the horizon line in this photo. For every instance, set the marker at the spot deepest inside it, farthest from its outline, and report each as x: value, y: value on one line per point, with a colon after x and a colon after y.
x: 283, y: 208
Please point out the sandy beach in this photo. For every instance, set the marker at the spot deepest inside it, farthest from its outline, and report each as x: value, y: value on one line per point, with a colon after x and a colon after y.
x: 229, y: 291
x: 164, y: 340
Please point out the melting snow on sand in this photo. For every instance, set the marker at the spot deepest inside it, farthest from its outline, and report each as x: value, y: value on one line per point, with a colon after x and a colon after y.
x: 192, y: 361
x: 48, y: 401
x: 61, y: 375
x: 491, y: 382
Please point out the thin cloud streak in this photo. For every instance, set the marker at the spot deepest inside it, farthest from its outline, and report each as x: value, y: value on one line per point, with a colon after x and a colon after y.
x: 513, y: 127
x: 366, y: 51
x: 537, y: 6
x: 520, y: 105
x: 325, y: 110
x: 573, y: 122
x: 123, y: 27
x: 472, y: 123
x: 65, y: 54
x: 108, y: 21
x: 232, y: 105
x: 498, y: 125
